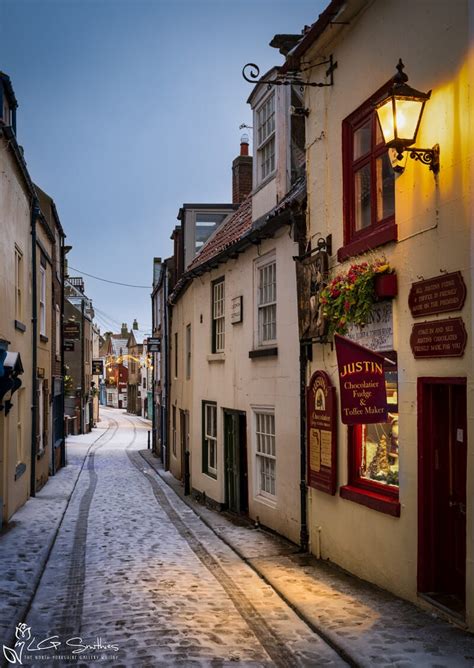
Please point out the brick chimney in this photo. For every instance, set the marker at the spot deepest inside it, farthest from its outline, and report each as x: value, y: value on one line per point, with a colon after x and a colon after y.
x: 242, y: 172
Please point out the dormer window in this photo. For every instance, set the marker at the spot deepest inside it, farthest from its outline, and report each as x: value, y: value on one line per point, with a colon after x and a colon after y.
x: 266, y: 138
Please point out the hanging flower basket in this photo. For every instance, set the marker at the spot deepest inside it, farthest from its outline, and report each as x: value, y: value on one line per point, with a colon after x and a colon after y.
x: 349, y: 298
x: 386, y: 286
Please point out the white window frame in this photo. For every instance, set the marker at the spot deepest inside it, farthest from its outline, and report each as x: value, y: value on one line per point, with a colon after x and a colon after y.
x: 188, y: 351
x: 210, y: 438
x: 18, y: 284
x: 265, y: 118
x: 42, y: 301
x: 265, y: 302
x: 218, y: 315
x: 265, y: 452
x: 20, y: 400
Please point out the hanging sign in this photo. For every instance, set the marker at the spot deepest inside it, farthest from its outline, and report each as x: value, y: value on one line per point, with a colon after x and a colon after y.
x: 362, y: 383
x: 97, y: 367
x: 71, y: 330
x: 439, y: 338
x: 153, y: 345
x: 321, y: 433
x: 440, y: 294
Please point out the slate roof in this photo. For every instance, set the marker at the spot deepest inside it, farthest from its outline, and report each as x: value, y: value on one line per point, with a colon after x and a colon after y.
x: 230, y: 231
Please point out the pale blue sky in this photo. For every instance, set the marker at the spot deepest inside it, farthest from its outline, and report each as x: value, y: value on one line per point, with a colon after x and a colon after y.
x: 127, y: 109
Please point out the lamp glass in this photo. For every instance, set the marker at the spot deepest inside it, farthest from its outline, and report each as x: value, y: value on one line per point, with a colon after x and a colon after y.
x: 407, y: 115
x: 386, y: 120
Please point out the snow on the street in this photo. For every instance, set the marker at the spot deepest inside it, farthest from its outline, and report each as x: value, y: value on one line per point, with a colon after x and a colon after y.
x: 135, y: 578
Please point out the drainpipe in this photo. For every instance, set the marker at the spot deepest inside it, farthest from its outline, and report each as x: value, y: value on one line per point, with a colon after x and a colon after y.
x: 153, y: 390
x: 35, y: 211
x: 303, y: 486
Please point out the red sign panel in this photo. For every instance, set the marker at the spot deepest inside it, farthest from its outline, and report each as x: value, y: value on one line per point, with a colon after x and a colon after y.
x: 362, y: 383
x: 439, y: 338
x: 321, y: 433
x: 440, y: 294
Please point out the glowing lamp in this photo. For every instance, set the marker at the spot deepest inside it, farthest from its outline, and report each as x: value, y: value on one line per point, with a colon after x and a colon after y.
x: 399, y: 113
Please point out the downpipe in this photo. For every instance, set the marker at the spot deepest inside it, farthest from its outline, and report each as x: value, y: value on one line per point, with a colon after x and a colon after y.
x: 35, y: 212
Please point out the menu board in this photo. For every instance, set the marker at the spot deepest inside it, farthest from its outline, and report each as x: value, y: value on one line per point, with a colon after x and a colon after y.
x: 321, y: 433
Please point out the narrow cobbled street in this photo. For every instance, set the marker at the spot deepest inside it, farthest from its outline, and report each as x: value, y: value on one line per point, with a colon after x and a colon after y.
x: 136, y: 572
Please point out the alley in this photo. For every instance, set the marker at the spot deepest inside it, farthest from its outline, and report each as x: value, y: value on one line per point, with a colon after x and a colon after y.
x: 136, y: 572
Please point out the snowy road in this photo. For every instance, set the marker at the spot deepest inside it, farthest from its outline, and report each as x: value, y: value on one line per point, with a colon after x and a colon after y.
x: 135, y: 578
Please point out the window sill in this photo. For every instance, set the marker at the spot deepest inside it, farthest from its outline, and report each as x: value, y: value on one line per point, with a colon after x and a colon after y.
x: 264, y: 183
x: 216, y: 357
x: 20, y: 469
x: 210, y: 475
x: 271, y: 503
x: 44, y: 338
x: 368, y: 242
x: 264, y: 352
x: 20, y: 326
x: 373, y: 500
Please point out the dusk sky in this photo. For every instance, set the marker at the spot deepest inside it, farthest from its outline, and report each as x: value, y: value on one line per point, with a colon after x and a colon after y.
x: 127, y: 109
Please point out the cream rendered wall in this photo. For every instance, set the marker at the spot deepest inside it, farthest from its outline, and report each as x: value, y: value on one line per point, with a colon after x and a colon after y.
x: 15, y: 229
x: 434, y: 218
x: 44, y: 352
x: 235, y: 381
x: 181, y: 388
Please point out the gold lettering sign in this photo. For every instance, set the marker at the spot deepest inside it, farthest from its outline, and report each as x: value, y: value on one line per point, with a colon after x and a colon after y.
x: 315, y: 449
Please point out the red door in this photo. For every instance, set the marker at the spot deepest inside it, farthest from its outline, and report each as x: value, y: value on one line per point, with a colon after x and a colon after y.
x: 442, y: 452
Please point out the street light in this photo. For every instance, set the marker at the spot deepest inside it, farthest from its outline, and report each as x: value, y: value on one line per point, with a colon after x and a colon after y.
x: 399, y: 113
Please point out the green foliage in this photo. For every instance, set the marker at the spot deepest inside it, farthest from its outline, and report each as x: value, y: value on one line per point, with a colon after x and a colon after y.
x: 349, y: 297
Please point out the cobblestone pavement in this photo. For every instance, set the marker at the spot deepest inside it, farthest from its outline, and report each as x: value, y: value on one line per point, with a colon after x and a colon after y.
x: 134, y: 571
x: 148, y: 577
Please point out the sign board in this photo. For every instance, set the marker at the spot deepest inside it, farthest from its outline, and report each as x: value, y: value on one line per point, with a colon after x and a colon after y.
x: 311, y: 278
x: 154, y: 347
x: 321, y: 433
x: 440, y: 294
x: 236, y: 312
x: 439, y: 338
x: 97, y: 367
x: 69, y: 346
x: 362, y: 383
x: 71, y: 330
x: 377, y: 334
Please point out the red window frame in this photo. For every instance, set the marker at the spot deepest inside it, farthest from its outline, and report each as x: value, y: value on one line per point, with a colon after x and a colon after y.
x: 370, y: 493
x: 378, y: 233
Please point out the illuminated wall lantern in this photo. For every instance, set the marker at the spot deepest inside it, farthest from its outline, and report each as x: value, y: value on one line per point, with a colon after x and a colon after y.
x: 399, y: 114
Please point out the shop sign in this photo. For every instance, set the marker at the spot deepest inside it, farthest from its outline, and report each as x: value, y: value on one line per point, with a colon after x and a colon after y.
x: 236, y: 310
x: 69, y: 346
x: 311, y: 279
x: 321, y: 433
x: 362, y: 383
x: 377, y: 334
x: 440, y: 294
x: 97, y: 367
x: 153, y: 345
x: 439, y: 338
x: 71, y: 330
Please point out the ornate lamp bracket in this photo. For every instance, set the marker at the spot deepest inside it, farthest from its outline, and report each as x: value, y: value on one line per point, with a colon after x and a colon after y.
x: 251, y: 73
x: 428, y: 156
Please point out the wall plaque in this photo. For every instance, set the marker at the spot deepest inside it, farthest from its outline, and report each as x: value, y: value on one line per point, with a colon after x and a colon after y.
x: 377, y: 334
x: 440, y: 294
x: 321, y: 433
x: 236, y: 310
x: 69, y: 346
x: 71, y: 330
x: 439, y: 338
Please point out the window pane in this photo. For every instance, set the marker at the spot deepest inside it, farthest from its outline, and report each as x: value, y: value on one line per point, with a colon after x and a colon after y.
x: 379, y: 451
x: 385, y: 180
x: 362, y: 139
x: 362, y: 197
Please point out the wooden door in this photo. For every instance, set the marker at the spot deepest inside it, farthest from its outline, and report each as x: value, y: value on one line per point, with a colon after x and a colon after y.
x: 442, y: 443
x: 235, y: 457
